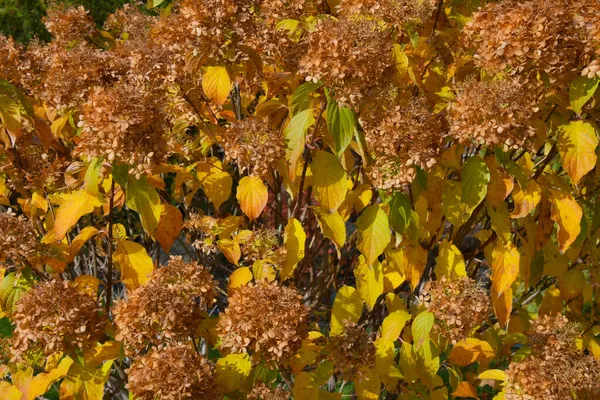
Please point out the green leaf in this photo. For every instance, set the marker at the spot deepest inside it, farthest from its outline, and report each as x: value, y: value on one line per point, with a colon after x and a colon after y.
x: 400, y: 212
x: 475, y: 177
x: 295, y: 138
x: 421, y: 327
x: 12, y: 288
x: 341, y: 124
x: 90, y: 182
x: 143, y: 199
x: 581, y: 91
x: 373, y: 233
x: 300, y: 99
x: 577, y: 142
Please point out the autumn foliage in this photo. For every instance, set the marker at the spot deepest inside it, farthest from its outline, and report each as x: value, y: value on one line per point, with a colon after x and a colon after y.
x: 272, y: 199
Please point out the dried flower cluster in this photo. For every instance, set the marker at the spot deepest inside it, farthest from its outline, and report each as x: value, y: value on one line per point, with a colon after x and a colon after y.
x: 168, y: 308
x: 172, y: 373
x: 351, y: 352
x: 350, y: 55
x: 401, y: 136
x: 18, y: 240
x: 68, y: 24
x: 459, y: 306
x: 261, y: 391
x: 265, y: 318
x: 396, y: 12
x: 556, y: 369
x: 493, y: 113
x: 254, y: 146
x: 262, y: 244
x: 55, y: 317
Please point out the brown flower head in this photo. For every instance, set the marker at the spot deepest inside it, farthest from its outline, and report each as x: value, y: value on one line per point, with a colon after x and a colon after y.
x: 68, y: 24
x: 18, y: 240
x: 396, y: 12
x: 55, y: 317
x: 254, y: 146
x: 169, y: 307
x: 493, y: 113
x: 400, y: 137
x: 556, y: 369
x: 261, y: 391
x: 264, y: 318
x: 351, y: 352
x: 459, y: 306
x: 350, y: 55
x: 172, y: 373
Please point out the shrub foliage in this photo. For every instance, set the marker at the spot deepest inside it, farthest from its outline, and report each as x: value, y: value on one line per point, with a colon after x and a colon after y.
x: 303, y: 199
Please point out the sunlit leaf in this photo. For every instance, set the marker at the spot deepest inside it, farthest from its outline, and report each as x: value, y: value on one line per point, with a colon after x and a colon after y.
x: 74, y: 206
x: 294, y: 243
x: 216, y: 84
x: 134, y: 262
x: 252, y: 194
x: 329, y: 180
x: 369, y: 280
x: 374, y: 232
x: 347, y: 308
x: 577, y: 142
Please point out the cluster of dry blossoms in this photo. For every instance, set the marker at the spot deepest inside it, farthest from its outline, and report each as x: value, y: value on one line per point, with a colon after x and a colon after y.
x: 556, y: 368
x: 352, y: 352
x: 266, y: 319
x: 18, y: 240
x: 459, y: 306
x: 168, y: 309
x: 56, y: 317
x: 261, y: 391
x: 172, y: 373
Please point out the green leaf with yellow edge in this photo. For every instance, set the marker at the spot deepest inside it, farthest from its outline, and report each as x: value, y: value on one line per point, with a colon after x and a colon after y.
x: 74, y: 206
x: 142, y: 198
x: 505, y: 266
x: 341, y: 124
x: 470, y: 350
x: 449, y: 262
x: 12, y: 288
x: 393, y: 324
x: 329, y: 180
x: 294, y: 241
x: 332, y: 225
x: 134, y: 262
x: 581, y: 91
x: 295, y: 139
x: 252, y: 194
x: 501, y: 222
x: 421, y: 327
x: 85, y: 382
x: 567, y: 213
x: 369, y: 280
x: 216, y: 84
x: 240, y: 277
x: 232, y: 371
x: 33, y: 386
x: 347, y: 308
x: 217, y: 186
x: 475, y: 178
x: 373, y: 233
x: 455, y: 211
x: 169, y: 227
x: 493, y: 374
x: 577, y: 142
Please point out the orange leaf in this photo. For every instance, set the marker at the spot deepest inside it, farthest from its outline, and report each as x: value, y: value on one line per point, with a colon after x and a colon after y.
x: 252, y: 194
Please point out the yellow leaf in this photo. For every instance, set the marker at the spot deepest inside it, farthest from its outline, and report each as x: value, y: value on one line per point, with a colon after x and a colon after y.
x: 85, y: 383
x: 369, y: 280
x: 240, y: 277
x: 567, y: 214
x: 74, y: 206
x: 526, y: 200
x: 505, y: 266
x: 294, y: 241
x: 134, y: 262
x: 393, y: 324
x: 109, y: 350
x: 216, y: 84
x: 373, y: 233
x: 10, y: 392
x: 571, y: 285
x: 577, y: 142
x: 465, y: 389
x: 470, y: 350
x: 552, y: 302
x: 369, y: 386
x: 329, y: 180
x: 169, y: 227
x: 263, y: 270
x: 252, y: 194
x: 493, y: 374
x: 502, y: 304
x: 231, y: 250
x: 332, y: 225
x: 86, y: 233
x: 143, y: 199
x: 450, y: 261
x: 217, y: 187
x: 347, y: 308
x: 392, y: 276
x: 232, y: 371
x: 501, y: 184
x: 88, y: 285
x: 410, y: 259
x: 34, y: 386
x: 307, y: 354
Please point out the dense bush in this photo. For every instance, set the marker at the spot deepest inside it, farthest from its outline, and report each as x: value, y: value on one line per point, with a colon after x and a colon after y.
x: 305, y: 199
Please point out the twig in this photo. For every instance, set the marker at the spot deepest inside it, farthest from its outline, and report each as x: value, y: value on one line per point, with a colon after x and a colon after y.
x: 109, y: 259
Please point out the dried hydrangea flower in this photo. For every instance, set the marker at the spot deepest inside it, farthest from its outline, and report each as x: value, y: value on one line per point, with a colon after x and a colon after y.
x: 494, y: 113
x: 351, y: 352
x: 556, y: 368
x: 400, y: 137
x: 18, y: 240
x: 459, y: 306
x: 168, y: 308
x: 172, y: 373
x: 68, y: 24
x: 254, y: 146
x: 261, y: 391
x: 264, y: 318
x: 395, y: 12
x: 55, y: 317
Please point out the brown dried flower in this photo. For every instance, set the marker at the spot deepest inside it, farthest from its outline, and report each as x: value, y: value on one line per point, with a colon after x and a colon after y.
x: 55, y: 317
x: 261, y: 391
x: 172, y: 373
x: 396, y: 12
x: 264, y: 318
x: 556, y: 369
x: 459, y: 306
x: 351, y: 352
x: 68, y: 24
x: 169, y: 307
x: 18, y: 240
x: 493, y: 113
